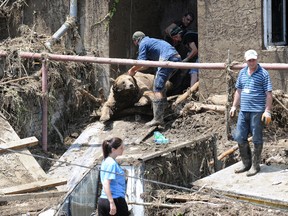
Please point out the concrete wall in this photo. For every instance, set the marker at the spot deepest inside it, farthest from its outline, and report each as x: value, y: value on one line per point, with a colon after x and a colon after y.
x: 236, y: 26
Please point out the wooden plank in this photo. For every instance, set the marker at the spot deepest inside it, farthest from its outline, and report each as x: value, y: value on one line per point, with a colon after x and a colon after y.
x: 148, y: 133
x: 34, y: 186
x: 27, y: 196
x: 30, y: 163
x: 19, y: 144
x: 174, y: 147
x: 26, y: 159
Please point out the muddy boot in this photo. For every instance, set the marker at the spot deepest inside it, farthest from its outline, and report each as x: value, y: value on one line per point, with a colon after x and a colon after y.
x: 245, y: 153
x: 159, y: 107
x: 256, y: 159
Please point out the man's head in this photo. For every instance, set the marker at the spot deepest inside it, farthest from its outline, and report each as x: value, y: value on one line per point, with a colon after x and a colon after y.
x: 251, y: 59
x: 176, y: 34
x: 250, y: 55
x: 187, y: 19
x: 137, y: 37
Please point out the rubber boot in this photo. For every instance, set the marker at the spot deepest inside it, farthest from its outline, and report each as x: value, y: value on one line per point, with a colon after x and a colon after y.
x: 245, y: 153
x: 256, y: 159
x: 159, y: 107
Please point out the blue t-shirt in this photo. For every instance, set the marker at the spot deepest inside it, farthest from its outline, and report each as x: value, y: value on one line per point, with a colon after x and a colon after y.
x: 117, y: 176
x: 254, y: 88
x: 155, y: 49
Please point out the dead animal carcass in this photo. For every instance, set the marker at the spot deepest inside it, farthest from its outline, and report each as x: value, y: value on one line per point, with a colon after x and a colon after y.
x: 128, y: 91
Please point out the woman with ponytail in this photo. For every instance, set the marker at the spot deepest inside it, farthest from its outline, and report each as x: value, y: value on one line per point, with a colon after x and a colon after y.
x: 112, y: 200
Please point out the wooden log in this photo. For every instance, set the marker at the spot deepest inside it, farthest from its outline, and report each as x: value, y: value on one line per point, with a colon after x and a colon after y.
x: 170, y: 206
x: 27, y: 196
x: 228, y: 152
x: 218, y: 99
x: 23, y: 143
x: 163, y: 205
x: 184, y: 96
x: 197, y: 107
x: 33, y: 186
x: 150, y: 131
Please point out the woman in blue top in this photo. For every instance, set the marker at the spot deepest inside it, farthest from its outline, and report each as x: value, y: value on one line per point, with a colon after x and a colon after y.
x: 112, y: 199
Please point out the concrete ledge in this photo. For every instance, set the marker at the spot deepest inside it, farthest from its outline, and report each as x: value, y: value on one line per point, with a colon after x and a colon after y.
x: 269, y: 186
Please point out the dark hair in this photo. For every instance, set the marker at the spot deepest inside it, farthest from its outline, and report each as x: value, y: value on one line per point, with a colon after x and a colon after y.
x: 107, y: 145
x: 176, y: 30
x: 191, y: 15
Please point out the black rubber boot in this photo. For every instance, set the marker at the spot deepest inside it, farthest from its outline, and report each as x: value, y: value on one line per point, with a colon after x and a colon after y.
x: 256, y: 159
x: 245, y: 153
x: 159, y: 107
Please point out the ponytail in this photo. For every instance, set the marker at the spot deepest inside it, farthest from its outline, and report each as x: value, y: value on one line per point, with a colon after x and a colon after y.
x: 107, y: 145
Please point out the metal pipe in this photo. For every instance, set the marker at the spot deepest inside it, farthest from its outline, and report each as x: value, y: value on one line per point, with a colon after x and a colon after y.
x: 180, y: 65
x: 166, y: 64
x: 73, y: 8
x: 44, y: 104
x: 70, y: 22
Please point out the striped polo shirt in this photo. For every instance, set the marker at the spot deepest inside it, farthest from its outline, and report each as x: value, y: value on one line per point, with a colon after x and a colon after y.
x: 254, y: 88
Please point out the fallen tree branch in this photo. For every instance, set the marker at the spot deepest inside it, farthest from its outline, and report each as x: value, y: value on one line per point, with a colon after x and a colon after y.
x: 90, y: 96
x: 163, y: 205
x: 197, y: 107
x: 155, y: 204
x: 279, y: 102
x: 228, y: 152
x: 16, y: 80
x: 58, y: 132
x: 184, y: 96
x: 148, y: 133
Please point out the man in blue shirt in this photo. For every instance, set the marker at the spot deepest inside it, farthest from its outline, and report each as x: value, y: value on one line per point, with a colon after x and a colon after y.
x: 254, y: 95
x: 156, y: 50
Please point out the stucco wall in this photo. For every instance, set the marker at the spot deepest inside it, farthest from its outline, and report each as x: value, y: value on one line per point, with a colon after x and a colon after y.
x: 235, y: 26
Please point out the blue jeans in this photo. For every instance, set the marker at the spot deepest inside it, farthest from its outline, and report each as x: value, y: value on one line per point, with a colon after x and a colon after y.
x: 194, y: 70
x: 249, y: 122
x: 164, y: 74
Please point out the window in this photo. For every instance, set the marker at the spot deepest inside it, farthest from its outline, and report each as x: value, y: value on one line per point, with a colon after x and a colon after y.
x: 275, y: 22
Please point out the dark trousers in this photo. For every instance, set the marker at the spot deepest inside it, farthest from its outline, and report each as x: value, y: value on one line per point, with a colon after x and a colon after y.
x: 121, y: 206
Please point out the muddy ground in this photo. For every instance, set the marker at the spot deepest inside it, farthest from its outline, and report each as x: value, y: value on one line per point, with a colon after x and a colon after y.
x: 16, y: 97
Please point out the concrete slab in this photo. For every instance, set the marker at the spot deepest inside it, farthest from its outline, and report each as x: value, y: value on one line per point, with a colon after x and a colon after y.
x: 269, y: 186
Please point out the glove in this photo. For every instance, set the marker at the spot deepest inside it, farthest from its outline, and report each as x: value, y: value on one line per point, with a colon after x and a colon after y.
x: 232, y: 111
x: 266, y: 118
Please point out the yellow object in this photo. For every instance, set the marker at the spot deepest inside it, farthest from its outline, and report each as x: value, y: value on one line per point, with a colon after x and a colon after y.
x: 266, y: 118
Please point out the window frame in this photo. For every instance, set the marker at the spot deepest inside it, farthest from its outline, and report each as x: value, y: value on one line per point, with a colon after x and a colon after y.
x: 267, y: 17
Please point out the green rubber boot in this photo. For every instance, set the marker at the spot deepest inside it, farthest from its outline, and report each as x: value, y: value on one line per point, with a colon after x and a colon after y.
x: 159, y: 107
x: 245, y: 153
x: 256, y: 159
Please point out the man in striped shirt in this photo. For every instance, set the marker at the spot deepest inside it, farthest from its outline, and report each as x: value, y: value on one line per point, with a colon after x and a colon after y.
x: 254, y: 95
